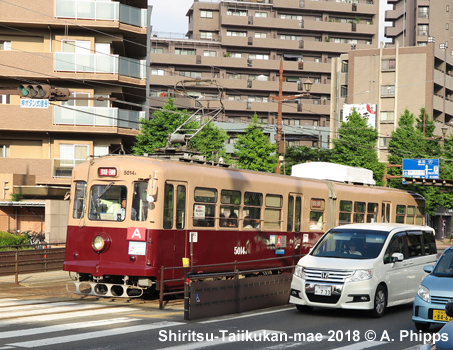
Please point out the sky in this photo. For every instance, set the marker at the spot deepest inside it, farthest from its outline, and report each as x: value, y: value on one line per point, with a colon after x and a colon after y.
x: 172, y: 19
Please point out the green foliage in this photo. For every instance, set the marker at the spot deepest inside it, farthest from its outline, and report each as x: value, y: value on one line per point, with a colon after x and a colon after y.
x: 154, y: 132
x: 418, y: 141
x: 16, y: 197
x: 8, y: 239
x: 356, y: 146
x: 254, y: 150
x: 302, y: 154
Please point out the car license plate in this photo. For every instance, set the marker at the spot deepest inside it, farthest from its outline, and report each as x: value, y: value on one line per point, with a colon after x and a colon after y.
x: 440, y: 315
x: 323, y: 290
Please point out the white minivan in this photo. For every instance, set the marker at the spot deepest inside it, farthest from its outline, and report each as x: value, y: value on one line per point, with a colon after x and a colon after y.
x: 364, y: 267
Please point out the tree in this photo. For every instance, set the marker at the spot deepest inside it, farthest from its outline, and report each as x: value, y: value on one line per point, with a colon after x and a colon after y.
x: 356, y: 146
x: 254, y: 150
x: 302, y: 154
x: 154, y: 133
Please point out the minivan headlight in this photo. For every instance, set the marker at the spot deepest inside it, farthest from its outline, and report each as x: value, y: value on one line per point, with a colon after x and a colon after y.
x: 299, y: 271
x: 423, y: 293
x: 360, y: 275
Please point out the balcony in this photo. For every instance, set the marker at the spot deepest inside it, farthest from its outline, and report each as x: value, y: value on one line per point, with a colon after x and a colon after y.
x: 97, y: 116
x: 99, y: 63
x: 101, y: 10
x: 63, y: 167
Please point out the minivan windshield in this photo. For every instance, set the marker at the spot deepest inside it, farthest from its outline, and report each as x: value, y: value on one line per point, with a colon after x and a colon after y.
x: 350, y: 244
x: 444, y: 267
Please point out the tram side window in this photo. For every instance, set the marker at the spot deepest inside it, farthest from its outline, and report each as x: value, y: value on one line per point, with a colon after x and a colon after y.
x: 317, y: 207
x: 253, y: 202
x: 289, y: 225
x: 297, y: 215
x: 400, y: 214
x: 229, y: 209
x: 168, y: 206
x: 345, y: 212
x: 203, y: 209
x: 420, y: 215
x: 294, y: 214
x: 107, y: 202
x: 273, y: 211
x: 139, y: 210
x: 372, y: 212
x: 180, y: 207
x: 359, y: 212
x: 410, y: 217
x: 79, y: 199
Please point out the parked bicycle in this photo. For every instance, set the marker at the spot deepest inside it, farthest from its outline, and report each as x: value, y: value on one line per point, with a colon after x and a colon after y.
x: 37, y: 239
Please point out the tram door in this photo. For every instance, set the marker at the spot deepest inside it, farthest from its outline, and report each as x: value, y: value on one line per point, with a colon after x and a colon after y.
x: 294, y: 215
x: 175, y: 217
x: 385, y: 211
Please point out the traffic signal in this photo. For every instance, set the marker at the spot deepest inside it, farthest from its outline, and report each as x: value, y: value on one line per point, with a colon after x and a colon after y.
x: 34, y: 91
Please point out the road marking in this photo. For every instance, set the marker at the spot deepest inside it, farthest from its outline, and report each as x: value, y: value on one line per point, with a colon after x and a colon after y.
x: 244, y: 316
x: 163, y: 315
x: 64, y: 327
x: 362, y: 345
x: 14, y: 302
x: 51, y: 308
x: 6, y: 312
x: 93, y: 335
x: 100, y: 310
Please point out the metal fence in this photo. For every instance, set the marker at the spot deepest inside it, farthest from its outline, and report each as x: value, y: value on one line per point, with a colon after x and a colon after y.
x: 22, y: 259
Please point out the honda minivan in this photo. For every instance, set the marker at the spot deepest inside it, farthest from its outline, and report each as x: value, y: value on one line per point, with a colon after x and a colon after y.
x: 364, y: 266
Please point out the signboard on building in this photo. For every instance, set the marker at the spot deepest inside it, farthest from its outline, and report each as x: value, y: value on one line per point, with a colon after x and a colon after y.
x: 367, y: 110
x: 34, y: 103
x: 421, y: 168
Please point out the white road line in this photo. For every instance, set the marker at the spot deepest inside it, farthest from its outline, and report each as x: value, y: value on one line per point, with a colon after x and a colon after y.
x: 362, y: 345
x: 5, y: 312
x: 52, y: 308
x: 101, y: 310
x: 244, y: 316
x: 64, y: 327
x: 93, y: 335
x: 14, y: 302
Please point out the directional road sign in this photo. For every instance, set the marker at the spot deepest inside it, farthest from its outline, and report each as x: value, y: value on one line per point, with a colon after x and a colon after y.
x: 421, y: 168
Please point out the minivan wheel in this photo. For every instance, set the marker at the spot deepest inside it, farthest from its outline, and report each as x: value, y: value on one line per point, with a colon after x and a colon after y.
x: 422, y: 326
x: 380, y: 302
x: 304, y: 308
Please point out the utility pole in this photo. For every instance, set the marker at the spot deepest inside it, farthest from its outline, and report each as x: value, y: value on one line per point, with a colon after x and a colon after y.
x: 280, y: 98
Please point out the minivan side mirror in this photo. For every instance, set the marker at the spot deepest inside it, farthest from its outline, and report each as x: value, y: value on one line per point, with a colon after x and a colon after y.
x: 428, y: 268
x: 397, y: 257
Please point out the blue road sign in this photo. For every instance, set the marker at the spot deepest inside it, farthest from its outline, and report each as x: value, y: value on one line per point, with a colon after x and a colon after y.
x: 421, y: 168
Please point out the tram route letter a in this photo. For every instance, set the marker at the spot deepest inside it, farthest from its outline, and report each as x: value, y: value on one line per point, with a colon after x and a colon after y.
x: 136, y: 234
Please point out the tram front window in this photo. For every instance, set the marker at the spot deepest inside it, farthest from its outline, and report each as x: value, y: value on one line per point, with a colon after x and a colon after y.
x: 107, y: 202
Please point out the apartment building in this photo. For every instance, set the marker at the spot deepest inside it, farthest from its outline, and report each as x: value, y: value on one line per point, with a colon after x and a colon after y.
x: 394, y: 79
x: 415, y: 22
x: 240, y: 45
x: 95, y: 49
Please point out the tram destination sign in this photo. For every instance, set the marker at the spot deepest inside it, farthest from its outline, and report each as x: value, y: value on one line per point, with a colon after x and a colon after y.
x: 421, y: 168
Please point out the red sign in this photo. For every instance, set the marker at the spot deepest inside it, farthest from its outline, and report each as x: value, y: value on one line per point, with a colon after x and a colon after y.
x: 136, y: 234
x: 111, y: 172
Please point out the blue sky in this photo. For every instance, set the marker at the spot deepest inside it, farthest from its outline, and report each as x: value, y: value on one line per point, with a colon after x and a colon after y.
x: 172, y: 19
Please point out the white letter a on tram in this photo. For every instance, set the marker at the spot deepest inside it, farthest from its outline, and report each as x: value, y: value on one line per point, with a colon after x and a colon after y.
x: 137, y: 235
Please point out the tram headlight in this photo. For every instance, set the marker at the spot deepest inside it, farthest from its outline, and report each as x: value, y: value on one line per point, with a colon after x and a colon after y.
x: 100, y: 243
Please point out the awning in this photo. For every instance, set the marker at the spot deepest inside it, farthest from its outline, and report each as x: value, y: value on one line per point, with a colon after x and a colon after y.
x: 293, y: 56
x: 22, y: 204
x: 58, y: 191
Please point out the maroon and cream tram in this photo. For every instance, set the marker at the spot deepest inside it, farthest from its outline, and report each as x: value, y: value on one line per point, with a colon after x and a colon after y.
x: 131, y: 215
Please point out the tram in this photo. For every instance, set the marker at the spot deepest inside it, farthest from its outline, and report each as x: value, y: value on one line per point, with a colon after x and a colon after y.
x: 132, y: 215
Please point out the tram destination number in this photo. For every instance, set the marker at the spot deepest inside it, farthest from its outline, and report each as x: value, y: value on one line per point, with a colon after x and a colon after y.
x: 129, y: 172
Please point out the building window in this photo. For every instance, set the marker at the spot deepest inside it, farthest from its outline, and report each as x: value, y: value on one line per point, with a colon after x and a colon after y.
x: 260, y: 77
x: 186, y: 52
x: 343, y: 91
x: 290, y: 37
x: 387, y: 90
x: 205, y: 14
x: 206, y: 35
x: 388, y: 116
x: 447, y: 26
x: 344, y: 66
x: 81, y: 100
x: 422, y: 43
x: 389, y: 64
x: 235, y: 33
x: 261, y: 14
x: 422, y: 30
x: 5, y: 99
x: 448, y: 8
x: 235, y: 12
x: 157, y: 72
x: 259, y: 57
x: 233, y: 76
x: 423, y: 12
x: 157, y: 50
x: 188, y: 74
x: 210, y: 53
x: 5, y: 45
x: 296, y: 17
x: 384, y: 142
x: 4, y: 151
x: 261, y: 35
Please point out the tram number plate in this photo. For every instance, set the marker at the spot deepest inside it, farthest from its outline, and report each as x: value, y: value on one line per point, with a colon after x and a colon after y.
x: 440, y: 315
x: 323, y: 290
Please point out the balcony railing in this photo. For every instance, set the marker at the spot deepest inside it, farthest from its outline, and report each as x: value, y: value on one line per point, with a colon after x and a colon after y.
x: 97, y: 116
x: 63, y: 167
x: 99, y: 63
x: 101, y: 10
